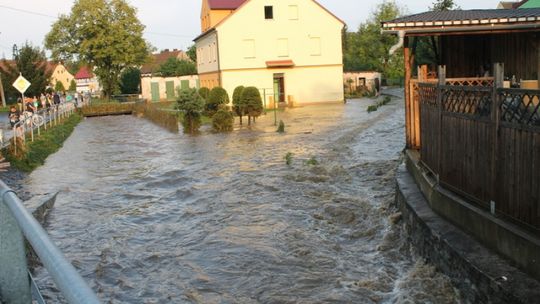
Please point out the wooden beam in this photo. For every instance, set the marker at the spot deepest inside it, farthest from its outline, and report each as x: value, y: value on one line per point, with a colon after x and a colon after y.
x: 2, y: 95
x: 407, y: 56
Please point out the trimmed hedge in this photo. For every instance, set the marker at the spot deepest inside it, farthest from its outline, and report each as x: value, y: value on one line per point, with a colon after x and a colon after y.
x: 223, y: 121
x: 162, y: 118
x: 217, y: 98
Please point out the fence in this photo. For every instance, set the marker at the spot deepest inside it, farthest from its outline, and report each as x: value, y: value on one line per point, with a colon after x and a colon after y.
x: 16, y: 221
x: 42, y: 119
x: 484, y: 143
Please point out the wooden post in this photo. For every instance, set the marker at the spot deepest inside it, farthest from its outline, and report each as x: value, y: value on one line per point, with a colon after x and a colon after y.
x: 442, y: 81
x: 498, y: 83
x: 407, y: 55
x: 2, y: 95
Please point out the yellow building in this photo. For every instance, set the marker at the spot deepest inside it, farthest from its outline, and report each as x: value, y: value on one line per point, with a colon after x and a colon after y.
x: 288, y: 49
x: 59, y: 73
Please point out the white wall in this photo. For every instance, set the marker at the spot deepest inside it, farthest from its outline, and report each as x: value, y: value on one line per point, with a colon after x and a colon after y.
x: 207, y: 54
x: 309, y: 37
x: 146, y: 82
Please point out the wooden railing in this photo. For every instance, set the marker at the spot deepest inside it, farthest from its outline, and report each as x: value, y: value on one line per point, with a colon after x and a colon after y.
x: 484, y: 143
x: 413, y: 107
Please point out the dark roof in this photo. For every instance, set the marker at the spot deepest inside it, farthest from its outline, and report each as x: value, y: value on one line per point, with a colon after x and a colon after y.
x: 472, y: 15
x: 160, y: 58
x: 225, y: 4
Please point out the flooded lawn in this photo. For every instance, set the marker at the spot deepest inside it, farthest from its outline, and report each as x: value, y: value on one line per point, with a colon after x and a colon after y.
x: 153, y: 217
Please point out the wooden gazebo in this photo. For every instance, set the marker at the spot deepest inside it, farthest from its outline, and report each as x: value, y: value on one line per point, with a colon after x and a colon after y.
x: 474, y: 117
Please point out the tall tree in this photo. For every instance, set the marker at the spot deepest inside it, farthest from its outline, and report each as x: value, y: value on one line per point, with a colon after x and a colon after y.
x: 31, y: 62
x: 368, y: 48
x: 177, y: 67
x: 130, y: 81
x: 192, y: 53
x: 444, y: 5
x: 103, y: 33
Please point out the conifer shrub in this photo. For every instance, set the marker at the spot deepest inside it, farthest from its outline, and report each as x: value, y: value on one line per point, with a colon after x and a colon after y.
x: 191, y: 104
x: 217, y: 98
x: 204, y: 92
x: 281, y: 127
x: 238, y: 105
x: 251, y: 98
x: 223, y: 121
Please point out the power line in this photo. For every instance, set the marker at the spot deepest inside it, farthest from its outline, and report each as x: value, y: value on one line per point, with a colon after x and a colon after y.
x: 53, y: 17
x: 27, y: 12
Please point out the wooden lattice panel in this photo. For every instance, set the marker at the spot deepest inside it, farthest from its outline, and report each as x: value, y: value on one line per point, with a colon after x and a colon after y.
x: 520, y: 106
x: 467, y: 100
x: 427, y: 93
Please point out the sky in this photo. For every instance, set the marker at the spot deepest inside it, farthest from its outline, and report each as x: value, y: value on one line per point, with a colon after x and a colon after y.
x: 170, y: 24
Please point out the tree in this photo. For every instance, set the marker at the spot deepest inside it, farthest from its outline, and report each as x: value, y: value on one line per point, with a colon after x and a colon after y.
x: 177, y: 67
x: 130, y: 81
x: 218, y: 97
x: 251, y: 98
x: 426, y: 48
x: 368, y: 48
x: 192, y: 53
x: 105, y: 34
x: 31, y: 62
x: 191, y: 104
x: 238, y: 105
x: 444, y: 5
x: 59, y: 87
x: 72, y: 86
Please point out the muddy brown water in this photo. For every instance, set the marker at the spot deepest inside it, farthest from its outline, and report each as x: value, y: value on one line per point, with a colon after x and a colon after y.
x: 148, y: 216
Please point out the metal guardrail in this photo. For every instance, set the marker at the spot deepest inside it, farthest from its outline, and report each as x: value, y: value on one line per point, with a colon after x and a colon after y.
x: 16, y: 221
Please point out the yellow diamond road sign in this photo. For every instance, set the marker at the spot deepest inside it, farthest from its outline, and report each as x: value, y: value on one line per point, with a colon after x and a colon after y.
x: 21, y: 84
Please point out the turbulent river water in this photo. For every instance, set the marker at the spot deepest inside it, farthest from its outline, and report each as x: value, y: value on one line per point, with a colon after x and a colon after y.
x: 153, y: 217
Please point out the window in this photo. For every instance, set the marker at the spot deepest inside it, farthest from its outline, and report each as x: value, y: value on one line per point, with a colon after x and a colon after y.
x: 283, y: 47
x: 293, y: 12
x: 249, y: 48
x: 268, y: 12
x: 315, y: 46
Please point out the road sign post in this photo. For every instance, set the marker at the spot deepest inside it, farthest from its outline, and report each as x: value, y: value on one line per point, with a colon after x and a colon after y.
x: 21, y: 84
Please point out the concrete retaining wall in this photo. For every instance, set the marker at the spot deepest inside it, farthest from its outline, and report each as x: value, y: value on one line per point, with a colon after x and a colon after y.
x: 480, y: 275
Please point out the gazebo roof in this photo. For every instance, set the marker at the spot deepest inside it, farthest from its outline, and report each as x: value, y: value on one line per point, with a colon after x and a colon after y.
x: 489, y: 17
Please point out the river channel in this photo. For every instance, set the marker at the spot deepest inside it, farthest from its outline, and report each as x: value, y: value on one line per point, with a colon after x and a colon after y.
x: 148, y: 216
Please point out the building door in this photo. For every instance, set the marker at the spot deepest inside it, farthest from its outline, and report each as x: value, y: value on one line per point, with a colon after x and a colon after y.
x: 169, y: 89
x: 279, y: 87
x: 154, y: 88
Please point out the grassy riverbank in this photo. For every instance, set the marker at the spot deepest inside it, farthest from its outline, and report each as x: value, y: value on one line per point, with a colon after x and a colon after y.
x: 36, y: 152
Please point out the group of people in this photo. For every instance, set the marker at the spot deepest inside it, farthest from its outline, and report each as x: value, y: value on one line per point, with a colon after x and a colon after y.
x: 30, y: 106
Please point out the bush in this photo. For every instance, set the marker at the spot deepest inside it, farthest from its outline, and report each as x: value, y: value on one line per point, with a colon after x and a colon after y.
x: 223, y: 121
x: 191, y: 103
x: 372, y: 108
x: 281, y: 127
x: 288, y: 158
x: 217, y: 98
x: 160, y: 117
x: 238, y: 105
x: 204, y: 92
x: 252, y: 100
x: 73, y: 86
x: 59, y: 87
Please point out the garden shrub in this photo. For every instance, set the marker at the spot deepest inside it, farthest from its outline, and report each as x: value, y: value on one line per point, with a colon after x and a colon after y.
x: 191, y: 103
x: 223, y: 121
x: 252, y: 100
x: 238, y: 105
x: 281, y: 127
x: 204, y: 92
x: 217, y: 98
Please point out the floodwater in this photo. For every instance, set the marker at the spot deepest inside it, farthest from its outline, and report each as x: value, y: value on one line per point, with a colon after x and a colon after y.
x: 152, y: 217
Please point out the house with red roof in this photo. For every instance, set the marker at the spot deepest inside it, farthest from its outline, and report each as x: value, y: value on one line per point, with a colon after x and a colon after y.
x: 290, y: 50
x: 87, y: 81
